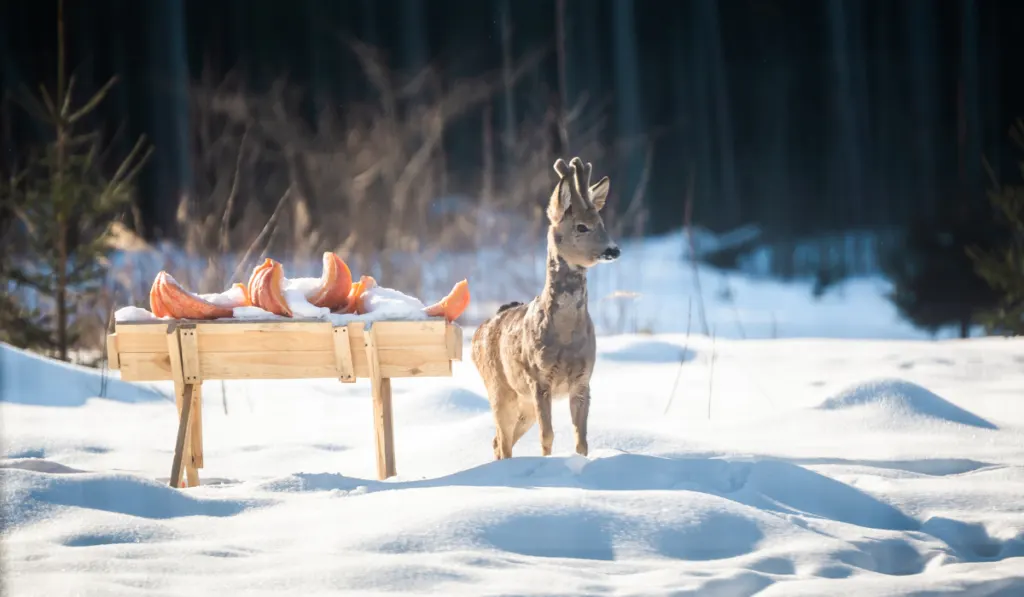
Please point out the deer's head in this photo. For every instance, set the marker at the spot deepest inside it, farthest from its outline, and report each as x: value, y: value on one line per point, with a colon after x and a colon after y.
x: 577, y: 231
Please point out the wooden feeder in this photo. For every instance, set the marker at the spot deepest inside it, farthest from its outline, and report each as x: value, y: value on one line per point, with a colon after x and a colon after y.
x: 190, y: 352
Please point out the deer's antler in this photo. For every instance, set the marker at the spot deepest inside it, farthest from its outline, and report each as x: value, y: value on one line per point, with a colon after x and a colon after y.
x: 582, y: 178
x: 562, y: 169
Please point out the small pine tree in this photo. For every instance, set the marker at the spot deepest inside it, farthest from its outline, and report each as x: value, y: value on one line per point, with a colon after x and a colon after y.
x: 934, y: 283
x: 65, y: 206
x: 1003, y: 268
x: 18, y: 325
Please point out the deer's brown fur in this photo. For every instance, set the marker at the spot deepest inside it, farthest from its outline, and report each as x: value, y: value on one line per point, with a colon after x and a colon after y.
x: 530, y: 354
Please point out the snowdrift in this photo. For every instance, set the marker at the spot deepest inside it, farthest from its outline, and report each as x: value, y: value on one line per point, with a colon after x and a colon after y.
x: 26, y: 378
x: 786, y: 468
x: 900, y: 400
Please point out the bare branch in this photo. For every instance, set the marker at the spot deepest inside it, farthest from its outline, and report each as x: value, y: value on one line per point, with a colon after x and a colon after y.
x: 93, y: 101
x: 229, y: 206
x: 263, y: 233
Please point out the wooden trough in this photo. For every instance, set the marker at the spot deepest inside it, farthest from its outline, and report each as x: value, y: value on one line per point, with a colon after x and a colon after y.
x: 190, y: 352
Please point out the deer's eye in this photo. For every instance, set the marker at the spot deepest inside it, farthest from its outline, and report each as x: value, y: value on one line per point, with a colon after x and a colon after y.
x: 581, y: 228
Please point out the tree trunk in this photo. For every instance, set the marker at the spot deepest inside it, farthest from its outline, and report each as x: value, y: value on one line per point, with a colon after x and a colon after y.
x: 563, y: 93
x: 62, y: 224
x: 62, y: 297
x: 965, y: 328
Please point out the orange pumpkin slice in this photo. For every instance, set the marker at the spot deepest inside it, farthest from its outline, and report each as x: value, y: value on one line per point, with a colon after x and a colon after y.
x: 452, y: 305
x: 335, y: 284
x: 168, y: 298
x: 357, y: 296
x: 246, y: 301
x: 265, y: 290
x: 156, y: 301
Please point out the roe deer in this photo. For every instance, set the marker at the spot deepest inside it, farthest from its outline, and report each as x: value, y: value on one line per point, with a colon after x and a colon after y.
x: 529, y: 354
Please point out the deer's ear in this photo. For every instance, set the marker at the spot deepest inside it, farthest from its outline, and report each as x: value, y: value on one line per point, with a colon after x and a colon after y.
x: 561, y: 199
x: 599, y: 192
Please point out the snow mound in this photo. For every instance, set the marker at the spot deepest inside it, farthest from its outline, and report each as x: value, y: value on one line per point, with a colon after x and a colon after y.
x: 31, y: 496
x: 39, y: 465
x: 26, y: 378
x: 444, y: 402
x: 902, y: 399
x: 760, y: 485
x: 545, y: 525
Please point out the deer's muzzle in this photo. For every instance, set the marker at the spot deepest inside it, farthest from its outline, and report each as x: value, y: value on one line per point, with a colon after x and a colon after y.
x: 610, y: 254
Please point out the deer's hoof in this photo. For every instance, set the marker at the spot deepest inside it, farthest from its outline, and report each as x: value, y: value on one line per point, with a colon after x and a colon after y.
x: 498, y: 455
x: 581, y: 448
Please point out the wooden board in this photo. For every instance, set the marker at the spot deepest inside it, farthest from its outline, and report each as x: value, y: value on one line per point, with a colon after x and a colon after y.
x: 112, y: 352
x: 343, y: 355
x: 283, y: 350
x: 383, y: 429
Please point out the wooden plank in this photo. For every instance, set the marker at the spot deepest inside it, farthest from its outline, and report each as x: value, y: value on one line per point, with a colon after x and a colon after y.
x: 179, y: 444
x: 265, y: 336
x: 453, y: 339
x: 282, y: 336
x: 343, y: 355
x: 414, y: 362
x: 411, y: 362
x: 190, y: 368
x: 400, y: 334
x: 145, y: 366
x: 195, y: 432
x: 383, y: 428
x: 174, y: 358
x: 268, y: 365
x: 420, y: 361
x: 142, y: 338
x: 112, y: 360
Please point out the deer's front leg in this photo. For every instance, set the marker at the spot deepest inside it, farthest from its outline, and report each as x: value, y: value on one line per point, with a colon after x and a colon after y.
x: 542, y: 398
x: 579, y: 408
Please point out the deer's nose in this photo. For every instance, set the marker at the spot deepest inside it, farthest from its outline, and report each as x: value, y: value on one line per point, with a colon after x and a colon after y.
x: 611, y: 253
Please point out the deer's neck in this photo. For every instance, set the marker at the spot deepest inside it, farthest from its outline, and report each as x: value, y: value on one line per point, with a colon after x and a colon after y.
x: 563, y: 301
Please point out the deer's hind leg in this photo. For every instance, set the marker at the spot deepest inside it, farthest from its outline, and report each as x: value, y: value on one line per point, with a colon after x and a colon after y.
x: 527, y: 417
x: 486, y: 357
x: 506, y: 416
x: 505, y: 409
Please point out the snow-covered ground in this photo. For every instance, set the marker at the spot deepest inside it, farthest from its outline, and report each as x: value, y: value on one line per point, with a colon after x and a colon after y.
x: 781, y: 467
x: 839, y: 453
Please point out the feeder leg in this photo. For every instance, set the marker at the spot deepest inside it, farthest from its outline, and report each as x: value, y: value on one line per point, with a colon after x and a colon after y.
x: 180, y: 445
x: 382, y: 428
x: 195, y: 435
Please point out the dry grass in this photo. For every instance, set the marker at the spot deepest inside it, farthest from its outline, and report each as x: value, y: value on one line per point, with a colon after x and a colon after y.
x: 364, y: 181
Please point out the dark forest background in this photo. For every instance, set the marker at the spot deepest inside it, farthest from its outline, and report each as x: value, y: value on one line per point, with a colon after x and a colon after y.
x: 844, y: 125
x: 800, y: 116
